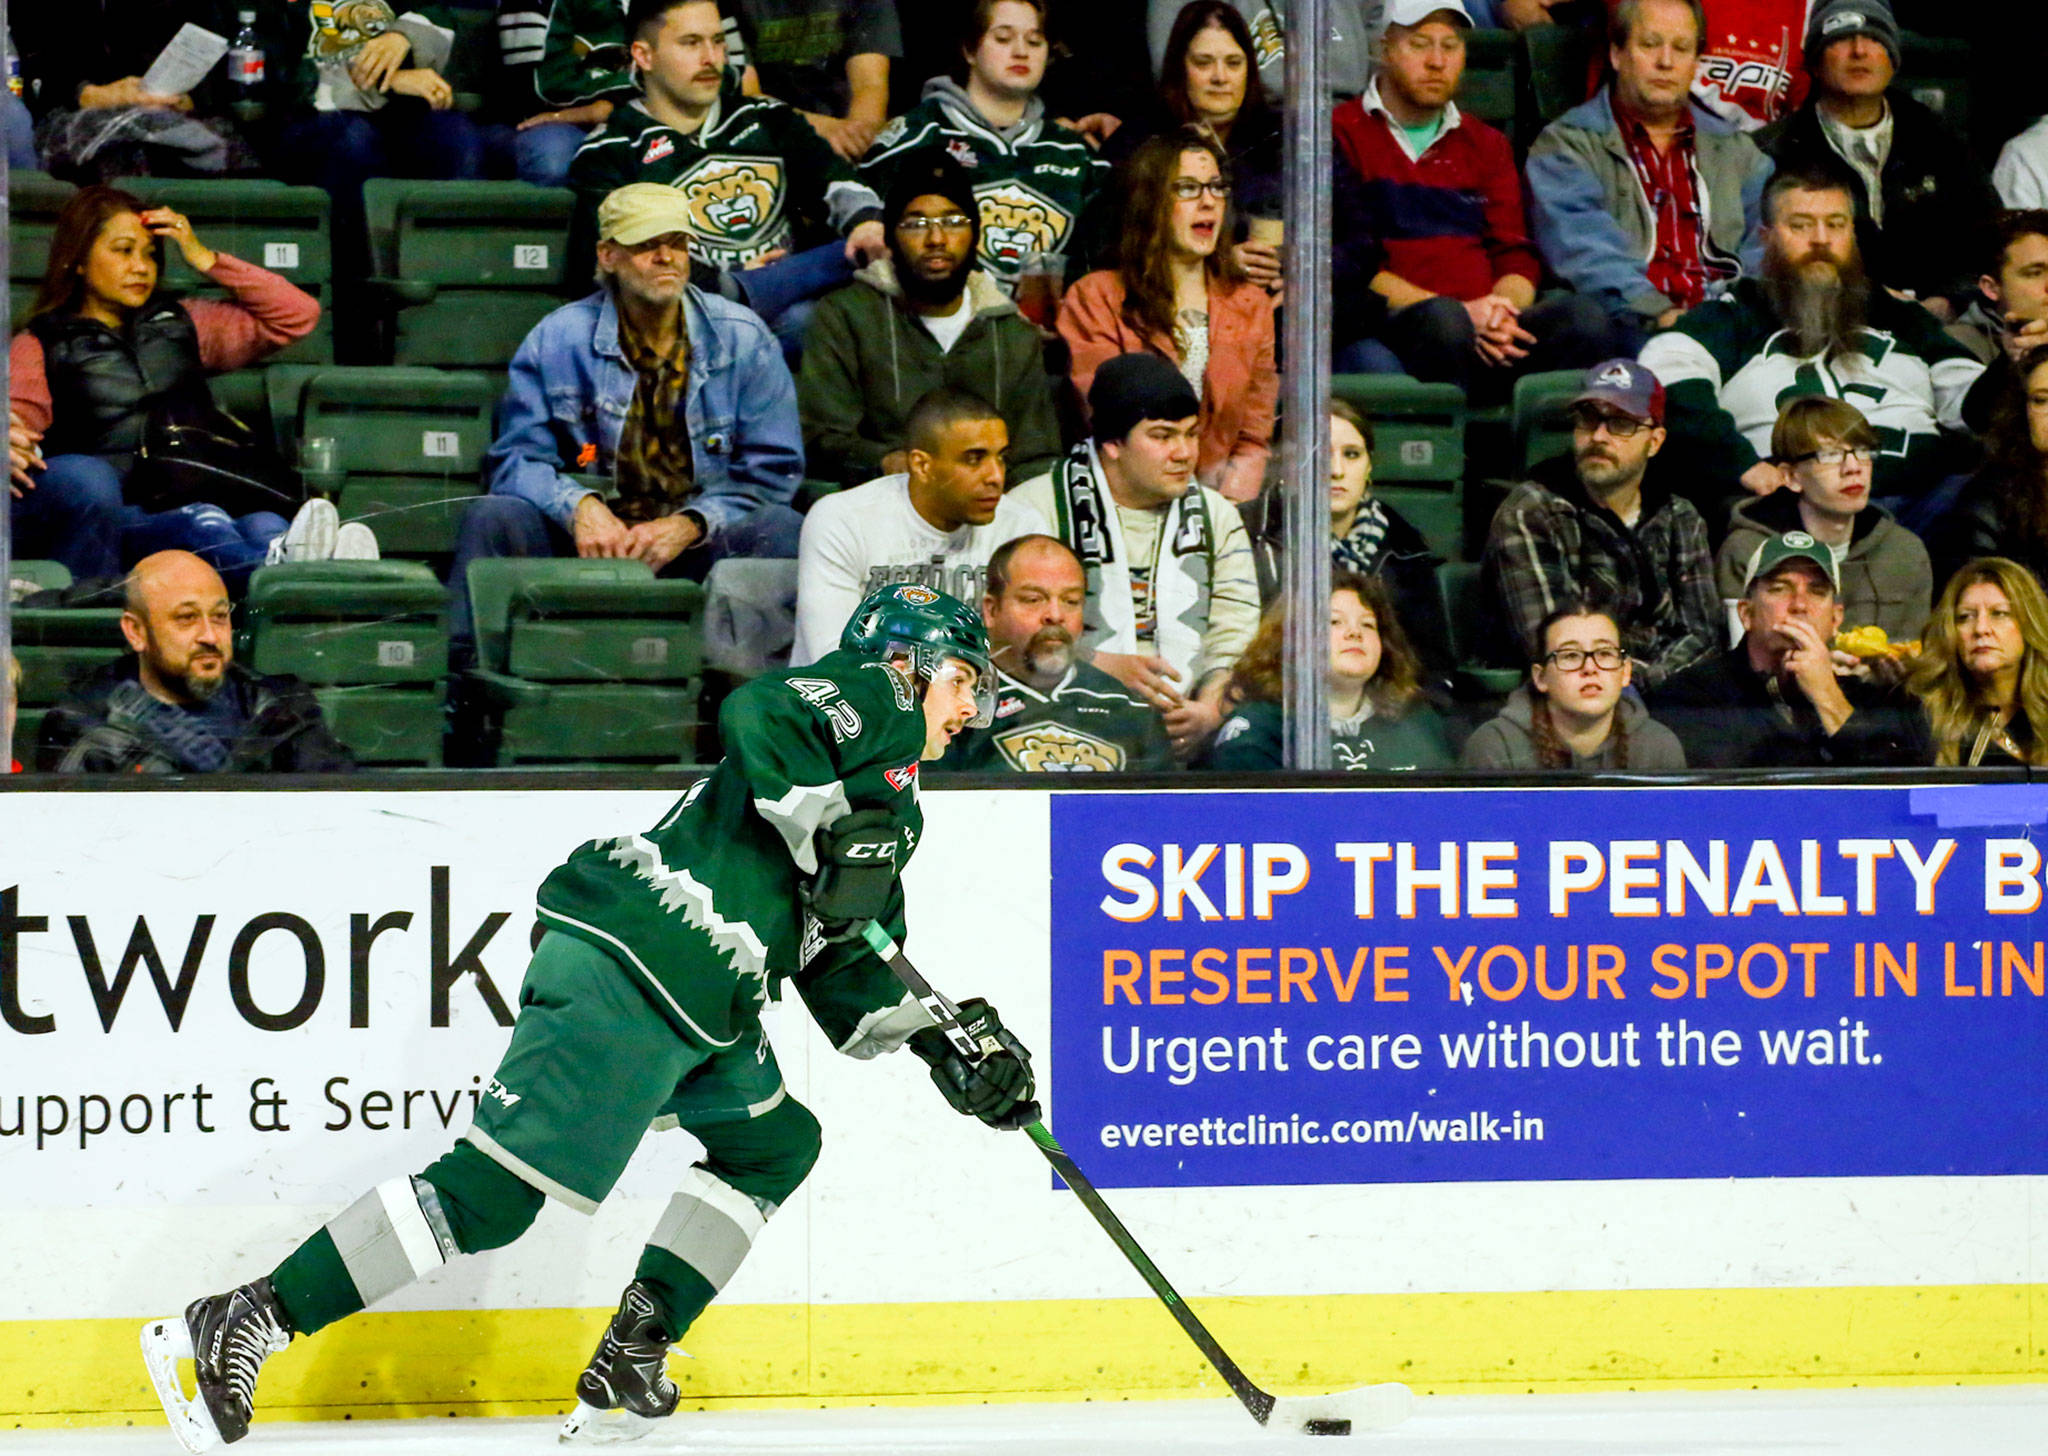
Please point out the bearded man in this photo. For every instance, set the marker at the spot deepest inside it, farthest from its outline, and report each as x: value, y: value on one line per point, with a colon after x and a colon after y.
x: 1055, y: 712
x: 1811, y: 324
x: 923, y: 317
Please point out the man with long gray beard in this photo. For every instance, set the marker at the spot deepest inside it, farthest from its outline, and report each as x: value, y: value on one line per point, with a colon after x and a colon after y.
x: 1812, y: 324
x: 1055, y: 713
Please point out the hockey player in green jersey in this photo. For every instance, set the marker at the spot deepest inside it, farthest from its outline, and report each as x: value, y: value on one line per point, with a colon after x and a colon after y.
x: 643, y: 1001
x: 1033, y: 178
x: 760, y: 182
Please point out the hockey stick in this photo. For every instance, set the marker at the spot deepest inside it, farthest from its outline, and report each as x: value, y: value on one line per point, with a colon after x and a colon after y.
x: 1367, y: 1408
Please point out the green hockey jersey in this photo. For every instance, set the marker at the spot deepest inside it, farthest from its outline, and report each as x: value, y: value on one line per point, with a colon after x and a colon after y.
x: 704, y: 909
x: 1032, y: 181
x: 756, y: 176
x: 1088, y: 723
x: 585, y: 56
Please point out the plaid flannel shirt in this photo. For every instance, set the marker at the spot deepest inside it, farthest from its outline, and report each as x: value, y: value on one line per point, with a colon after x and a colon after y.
x: 1551, y: 542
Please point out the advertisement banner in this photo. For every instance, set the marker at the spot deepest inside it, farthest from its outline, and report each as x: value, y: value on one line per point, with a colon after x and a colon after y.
x: 1486, y: 985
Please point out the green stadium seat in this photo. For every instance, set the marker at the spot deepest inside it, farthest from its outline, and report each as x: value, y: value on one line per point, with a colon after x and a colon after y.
x: 57, y: 646
x: 588, y: 662
x: 370, y: 638
x: 45, y: 575
x: 1555, y: 59
x: 470, y: 267
x: 411, y: 444
x: 1419, y: 465
x: 1542, y: 431
x: 33, y: 201
x: 1464, y: 615
x: 1488, y: 90
x: 284, y: 229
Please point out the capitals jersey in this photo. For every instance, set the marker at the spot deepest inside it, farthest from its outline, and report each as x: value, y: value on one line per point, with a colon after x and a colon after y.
x: 756, y: 176
x: 704, y: 909
x: 1752, y: 66
x: 1032, y: 181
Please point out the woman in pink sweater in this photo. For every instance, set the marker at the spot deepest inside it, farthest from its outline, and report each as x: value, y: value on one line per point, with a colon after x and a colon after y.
x: 1177, y: 291
x: 102, y: 352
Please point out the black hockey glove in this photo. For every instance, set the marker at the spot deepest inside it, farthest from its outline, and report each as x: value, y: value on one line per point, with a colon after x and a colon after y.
x: 856, y: 872
x: 997, y: 1089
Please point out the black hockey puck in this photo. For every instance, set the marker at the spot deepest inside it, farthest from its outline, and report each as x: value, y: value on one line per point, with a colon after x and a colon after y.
x: 1326, y: 1428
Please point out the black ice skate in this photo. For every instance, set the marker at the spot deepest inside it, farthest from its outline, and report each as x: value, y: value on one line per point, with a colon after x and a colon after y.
x: 227, y: 1337
x: 625, y: 1389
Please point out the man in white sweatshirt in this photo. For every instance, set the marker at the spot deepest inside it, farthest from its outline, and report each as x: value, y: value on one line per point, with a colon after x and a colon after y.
x: 936, y: 524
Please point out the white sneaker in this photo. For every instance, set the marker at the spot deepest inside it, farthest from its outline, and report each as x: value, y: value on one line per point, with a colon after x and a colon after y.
x: 356, y: 542
x: 310, y: 537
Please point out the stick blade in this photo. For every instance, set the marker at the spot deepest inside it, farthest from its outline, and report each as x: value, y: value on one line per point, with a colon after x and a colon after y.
x: 1344, y: 1413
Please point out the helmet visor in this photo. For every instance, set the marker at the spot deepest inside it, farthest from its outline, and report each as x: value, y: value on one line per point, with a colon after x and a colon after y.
x: 966, y: 673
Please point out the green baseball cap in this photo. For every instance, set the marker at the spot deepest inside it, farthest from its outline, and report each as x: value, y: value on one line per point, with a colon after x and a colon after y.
x: 1791, y: 546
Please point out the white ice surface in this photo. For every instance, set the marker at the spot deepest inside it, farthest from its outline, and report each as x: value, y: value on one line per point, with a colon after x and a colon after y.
x: 1926, y: 1421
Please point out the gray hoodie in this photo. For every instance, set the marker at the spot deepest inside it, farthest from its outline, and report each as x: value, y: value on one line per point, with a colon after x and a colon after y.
x: 1508, y: 740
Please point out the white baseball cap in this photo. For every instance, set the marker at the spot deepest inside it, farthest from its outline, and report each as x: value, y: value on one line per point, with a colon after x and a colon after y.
x: 1407, y: 13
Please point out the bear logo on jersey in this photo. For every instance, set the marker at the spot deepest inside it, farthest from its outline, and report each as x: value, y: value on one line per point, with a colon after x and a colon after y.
x: 1057, y: 748
x: 735, y: 207
x: 341, y: 27
x: 1017, y: 221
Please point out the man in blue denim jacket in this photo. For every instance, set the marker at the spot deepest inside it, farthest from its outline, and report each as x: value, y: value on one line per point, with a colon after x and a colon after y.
x: 680, y: 399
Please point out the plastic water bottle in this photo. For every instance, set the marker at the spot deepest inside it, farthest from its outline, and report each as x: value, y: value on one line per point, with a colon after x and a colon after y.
x: 245, y: 56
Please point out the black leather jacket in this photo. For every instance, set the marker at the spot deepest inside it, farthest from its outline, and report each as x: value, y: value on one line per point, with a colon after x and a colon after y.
x: 104, y: 384
x: 106, y: 726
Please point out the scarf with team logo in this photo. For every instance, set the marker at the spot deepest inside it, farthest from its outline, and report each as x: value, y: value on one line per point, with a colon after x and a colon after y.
x: 1176, y: 579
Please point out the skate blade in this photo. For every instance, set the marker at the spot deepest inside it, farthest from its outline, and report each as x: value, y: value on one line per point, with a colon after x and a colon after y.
x: 589, y: 1426
x: 1345, y: 1413
x: 164, y: 1343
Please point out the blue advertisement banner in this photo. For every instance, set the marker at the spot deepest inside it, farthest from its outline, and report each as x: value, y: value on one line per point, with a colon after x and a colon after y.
x: 1299, y: 987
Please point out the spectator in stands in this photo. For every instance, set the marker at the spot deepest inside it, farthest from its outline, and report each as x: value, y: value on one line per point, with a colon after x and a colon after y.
x: 827, y: 58
x: 1811, y: 324
x: 1355, y: 27
x: 361, y: 91
x: 1179, y: 294
x: 2009, y: 317
x: 1380, y: 721
x: 1173, y: 592
x: 1825, y: 449
x: 1598, y: 525
x: 1773, y: 700
x: 924, y: 316
x: 18, y: 132
x: 181, y: 704
x: 104, y: 355
x: 1443, y: 198
x: 2003, y: 510
x: 1919, y: 193
x: 678, y: 399
x: 1982, y: 673
x: 82, y: 70
x: 1370, y: 538
x: 1641, y: 198
x: 758, y: 181
x: 2020, y: 176
x: 1575, y: 712
x: 1033, y: 178
x: 585, y: 72
x: 1055, y: 712
x: 934, y: 523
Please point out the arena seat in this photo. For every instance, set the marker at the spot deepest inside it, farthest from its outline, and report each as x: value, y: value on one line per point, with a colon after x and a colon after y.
x: 1419, y: 465
x: 592, y: 662
x: 411, y: 442
x: 1457, y: 583
x: 33, y: 201
x: 1542, y: 430
x: 468, y: 267
x: 370, y: 638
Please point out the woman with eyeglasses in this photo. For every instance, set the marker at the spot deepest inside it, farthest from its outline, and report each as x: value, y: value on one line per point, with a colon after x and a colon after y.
x: 1824, y: 451
x: 1380, y: 719
x: 1575, y: 712
x: 1178, y: 292
x: 1982, y: 672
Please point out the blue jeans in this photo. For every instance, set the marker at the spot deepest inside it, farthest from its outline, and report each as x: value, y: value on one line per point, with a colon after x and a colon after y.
x: 73, y: 515
x: 1433, y: 341
x: 544, y: 152
x: 19, y: 130
x: 92, y: 487
x: 504, y: 525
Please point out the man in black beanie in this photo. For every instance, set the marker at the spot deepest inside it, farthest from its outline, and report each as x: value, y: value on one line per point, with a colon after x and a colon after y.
x: 1173, y: 595
x: 922, y: 317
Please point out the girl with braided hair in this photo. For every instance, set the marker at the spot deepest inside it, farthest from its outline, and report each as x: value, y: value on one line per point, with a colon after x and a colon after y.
x: 1575, y: 711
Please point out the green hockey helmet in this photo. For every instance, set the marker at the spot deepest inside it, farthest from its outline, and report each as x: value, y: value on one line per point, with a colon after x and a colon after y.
x: 933, y: 629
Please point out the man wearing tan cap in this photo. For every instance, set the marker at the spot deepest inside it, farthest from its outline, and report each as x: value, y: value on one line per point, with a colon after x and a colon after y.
x: 650, y: 420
